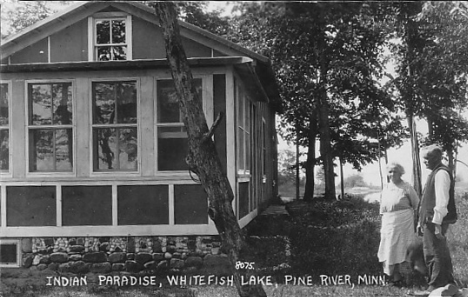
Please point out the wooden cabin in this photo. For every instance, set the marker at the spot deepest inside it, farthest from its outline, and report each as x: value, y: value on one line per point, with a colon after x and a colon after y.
x: 92, y: 142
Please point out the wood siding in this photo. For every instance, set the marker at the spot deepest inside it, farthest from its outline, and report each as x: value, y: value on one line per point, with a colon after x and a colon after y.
x: 71, y: 45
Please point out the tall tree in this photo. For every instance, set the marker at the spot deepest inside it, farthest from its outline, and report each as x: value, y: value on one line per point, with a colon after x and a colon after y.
x: 443, y: 81
x: 202, y: 156
x: 432, y: 74
x: 326, y: 56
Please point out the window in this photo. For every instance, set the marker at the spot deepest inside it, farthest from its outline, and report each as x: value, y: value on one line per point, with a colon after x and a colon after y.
x: 243, y: 132
x: 110, y: 39
x: 172, y: 135
x: 4, y: 128
x: 50, y: 127
x: 10, y: 253
x: 115, y: 136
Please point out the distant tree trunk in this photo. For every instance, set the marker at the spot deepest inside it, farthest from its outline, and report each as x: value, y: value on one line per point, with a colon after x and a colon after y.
x: 430, y: 127
x: 202, y: 157
x: 411, y: 36
x: 415, y: 154
x: 298, y: 178
x: 310, y: 162
x: 342, y: 178
x: 324, y: 127
x: 451, y: 159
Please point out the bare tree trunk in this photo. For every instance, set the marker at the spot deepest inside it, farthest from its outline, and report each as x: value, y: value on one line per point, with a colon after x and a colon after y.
x: 202, y: 157
x: 411, y: 35
x: 342, y: 178
x: 324, y: 127
x: 451, y: 164
x: 310, y: 163
x: 415, y: 153
x: 298, y: 178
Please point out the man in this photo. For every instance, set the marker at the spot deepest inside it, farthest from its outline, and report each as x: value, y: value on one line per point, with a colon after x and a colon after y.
x: 436, y: 212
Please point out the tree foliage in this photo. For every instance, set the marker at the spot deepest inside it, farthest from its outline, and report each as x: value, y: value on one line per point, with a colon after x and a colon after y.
x: 18, y: 15
x: 432, y: 70
x: 326, y: 57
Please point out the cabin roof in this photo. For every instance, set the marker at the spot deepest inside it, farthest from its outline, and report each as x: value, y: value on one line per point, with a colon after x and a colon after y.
x: 77, y: 12
x: 81, y: 10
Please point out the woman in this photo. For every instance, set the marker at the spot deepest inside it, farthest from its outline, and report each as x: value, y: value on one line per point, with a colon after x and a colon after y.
x: 398, y: 204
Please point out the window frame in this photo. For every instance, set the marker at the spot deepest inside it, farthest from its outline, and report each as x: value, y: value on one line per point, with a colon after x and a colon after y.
x: 93, y: 171
x: 30, y: 173
x: 205, y: 84
x: 92, y: 36
x: 7, y: 173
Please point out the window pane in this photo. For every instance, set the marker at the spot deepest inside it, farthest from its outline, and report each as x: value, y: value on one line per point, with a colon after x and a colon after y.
x: 247, y: 152
x: 168, y: 103
x: 127, y: 102
x: 62, y: 98
x: 109, y: 146
x: 102, y: 32
x: 107, y: 95
x: 104, y: 103
x: 118, y: 31
x: 4, y: 105
x: 240, y: 109
x: 240, y: 148
x: 63, y: 149
x: 104, y: 53
x: 172, y: 148
x: 247, y: 115
x: 119, y: 53
x: 41, y: 104
x: 4, y: 149
x: 9, y: 253
x: 106, y: 141
x: 128, y: 149
x: 42, y: 150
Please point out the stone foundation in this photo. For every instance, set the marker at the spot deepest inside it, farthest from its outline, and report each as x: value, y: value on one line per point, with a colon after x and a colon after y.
x: 80, y: 255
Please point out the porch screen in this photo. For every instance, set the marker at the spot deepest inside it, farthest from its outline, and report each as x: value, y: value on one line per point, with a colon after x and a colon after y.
x: 31, y: 206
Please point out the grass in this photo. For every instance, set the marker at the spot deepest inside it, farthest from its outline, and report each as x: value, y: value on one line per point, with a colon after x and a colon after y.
x: 329, y: 238
x: 458, y: 238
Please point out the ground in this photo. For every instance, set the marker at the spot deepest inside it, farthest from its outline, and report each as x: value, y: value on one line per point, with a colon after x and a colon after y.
x: 331, y: 243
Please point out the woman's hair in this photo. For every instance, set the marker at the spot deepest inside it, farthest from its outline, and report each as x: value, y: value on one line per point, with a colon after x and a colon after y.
x: 396, y: 166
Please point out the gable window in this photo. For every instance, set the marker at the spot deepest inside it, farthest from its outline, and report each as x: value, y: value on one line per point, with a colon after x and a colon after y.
x: 172, y: 135
x: 111, y: 37
x: 4, y: 128
x: 50, y: 127
x: 115, y: 140
x: 243, y: 132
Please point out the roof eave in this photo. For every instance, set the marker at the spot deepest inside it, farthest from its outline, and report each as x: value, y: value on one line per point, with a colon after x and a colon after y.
x: 117, y: 65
